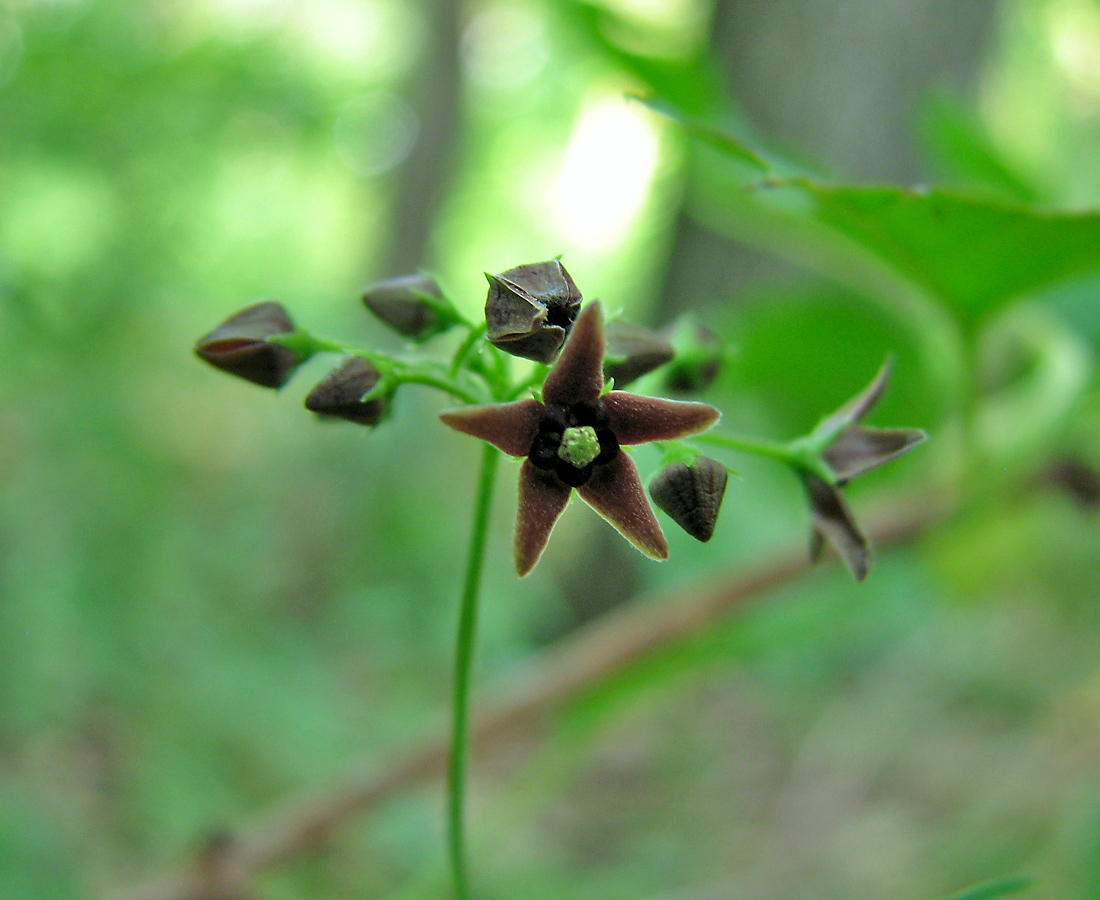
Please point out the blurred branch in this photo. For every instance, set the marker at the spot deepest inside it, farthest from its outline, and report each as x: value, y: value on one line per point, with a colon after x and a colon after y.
x: 594, y: 654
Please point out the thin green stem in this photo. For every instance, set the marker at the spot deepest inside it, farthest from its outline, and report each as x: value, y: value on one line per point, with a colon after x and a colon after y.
x: 770, y: 449
x: 464, y: 652
x: 466, y: 347
x: 799, y: 455
x: 537, y: 377
x: 404, y: 376
x: 394, y: 370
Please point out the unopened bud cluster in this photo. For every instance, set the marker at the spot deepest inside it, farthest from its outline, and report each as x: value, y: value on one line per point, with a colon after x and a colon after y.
x: 248, y: 345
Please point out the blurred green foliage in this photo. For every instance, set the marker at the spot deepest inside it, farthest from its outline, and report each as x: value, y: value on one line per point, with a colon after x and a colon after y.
x: 208, y: 601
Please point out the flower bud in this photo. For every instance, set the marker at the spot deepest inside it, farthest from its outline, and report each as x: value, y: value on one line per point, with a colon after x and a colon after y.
x: 531, y: 309
x: 341, y: 393
x: 412, y: 305
x: 239, y: 345
x: 632, y: 351
x: 691, y: 495
x: 699, y: 355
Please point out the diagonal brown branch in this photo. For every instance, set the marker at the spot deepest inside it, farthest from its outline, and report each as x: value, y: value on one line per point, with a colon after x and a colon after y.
x: 225, y: 867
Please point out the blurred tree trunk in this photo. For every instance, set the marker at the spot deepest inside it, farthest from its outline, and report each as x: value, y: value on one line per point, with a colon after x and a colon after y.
x: 839, y: 81
x: 423, y: 178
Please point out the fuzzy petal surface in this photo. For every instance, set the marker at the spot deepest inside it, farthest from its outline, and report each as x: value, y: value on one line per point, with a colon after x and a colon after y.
x: 615, y: 492
x: 578, y: 374
x: 635, y: 419
x: 833, y: 521
x: 510, y: 427
x: 861, y: 447
x: 542, y: 497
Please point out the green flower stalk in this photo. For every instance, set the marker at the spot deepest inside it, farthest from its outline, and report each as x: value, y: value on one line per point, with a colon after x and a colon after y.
x: 572, y: 439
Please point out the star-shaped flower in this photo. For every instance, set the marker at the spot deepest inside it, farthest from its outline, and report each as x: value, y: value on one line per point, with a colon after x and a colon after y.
x: 849, y: 450
x: 573, y: 439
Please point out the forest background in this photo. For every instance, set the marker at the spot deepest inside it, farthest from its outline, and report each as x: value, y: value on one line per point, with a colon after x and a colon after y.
x: 211, y: 606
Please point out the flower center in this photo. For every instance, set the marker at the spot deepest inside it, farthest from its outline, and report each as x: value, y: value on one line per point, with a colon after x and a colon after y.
x: 573, y: 440
x: 579, y: 446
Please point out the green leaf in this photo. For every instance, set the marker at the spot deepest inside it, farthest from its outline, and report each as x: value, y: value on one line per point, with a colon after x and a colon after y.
x: 974, y: 253
x: 992, y: 889
x: 965, y: 153
x: 715, y: 137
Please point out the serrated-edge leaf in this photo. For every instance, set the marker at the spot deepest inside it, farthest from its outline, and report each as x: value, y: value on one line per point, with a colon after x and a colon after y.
x: 887, y: 219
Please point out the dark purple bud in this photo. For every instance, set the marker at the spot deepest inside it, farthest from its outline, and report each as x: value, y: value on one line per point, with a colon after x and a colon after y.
x: 691, y: 495
x: 632, y: 351
x: 412, y: 305
x: 531, y: 309
x: 699, y: 355
x: 341, y: 393
x: 239, y: 345
x: 833, y: 522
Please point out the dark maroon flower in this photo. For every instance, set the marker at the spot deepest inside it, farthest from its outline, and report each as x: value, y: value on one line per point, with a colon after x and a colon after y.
x: 851, y: 449
x: 572, y: 440
x: 239, y: 345
x: 530, y: 310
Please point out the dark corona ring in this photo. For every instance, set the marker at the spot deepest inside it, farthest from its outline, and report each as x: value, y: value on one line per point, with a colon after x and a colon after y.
x: 572, y: 440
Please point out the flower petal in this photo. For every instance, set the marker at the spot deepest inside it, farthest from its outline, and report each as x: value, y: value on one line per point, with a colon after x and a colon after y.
x: 861, y: 404
x: 615, y: 492
x: 861, y: 447
x: 635, y: 419
x: 578, y: 373
x: 542, y: 497
x: 510, y: 427
x: 833, y: 521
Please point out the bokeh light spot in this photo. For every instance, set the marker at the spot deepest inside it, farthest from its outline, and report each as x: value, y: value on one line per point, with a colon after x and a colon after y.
x: 605, y: 173
x: 504, y: 46
x: 375, y: 133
